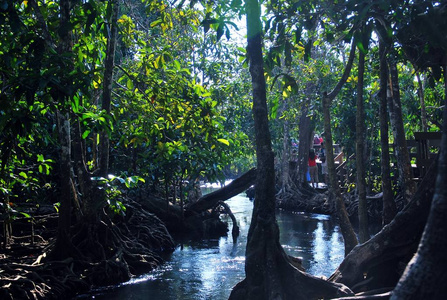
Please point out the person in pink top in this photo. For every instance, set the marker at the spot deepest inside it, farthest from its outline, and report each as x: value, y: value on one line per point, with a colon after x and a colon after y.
x: 313, y: 168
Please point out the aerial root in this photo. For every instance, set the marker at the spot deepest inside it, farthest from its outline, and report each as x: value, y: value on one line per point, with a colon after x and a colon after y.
x: 106, y: 252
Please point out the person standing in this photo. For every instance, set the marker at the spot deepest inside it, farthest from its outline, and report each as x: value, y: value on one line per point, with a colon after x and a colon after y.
x: 313, y: 168
x: 323, y: 160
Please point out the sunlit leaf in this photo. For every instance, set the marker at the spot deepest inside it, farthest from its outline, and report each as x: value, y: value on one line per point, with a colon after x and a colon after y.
x: 25, y: 214
x: 85, y: 134
x: 224, y: 141
x: 129, y: 84
x: 156, y: 22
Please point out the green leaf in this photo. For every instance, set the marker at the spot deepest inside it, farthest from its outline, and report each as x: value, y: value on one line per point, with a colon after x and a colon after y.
x: 224, y: 141
x: 177, y: 65
x: 85, y: 134
x: 75, y: 104
x: 158, y: 62
x: 275, y: 106
x: 242, y: 49
x: 156, y: 22
x: 227, y: 33
x: 129, y: 84
x: 220, y: 31
x: 25, y: 214
x: 56, y: 206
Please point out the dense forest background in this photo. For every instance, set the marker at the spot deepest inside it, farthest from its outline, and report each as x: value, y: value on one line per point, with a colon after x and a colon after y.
x: 105, y: 104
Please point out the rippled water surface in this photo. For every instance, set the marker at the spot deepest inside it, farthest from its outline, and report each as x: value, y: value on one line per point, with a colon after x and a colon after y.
x: 210, y: 268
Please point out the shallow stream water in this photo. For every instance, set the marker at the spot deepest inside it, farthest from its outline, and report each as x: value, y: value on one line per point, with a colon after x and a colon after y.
x: 210, y: 268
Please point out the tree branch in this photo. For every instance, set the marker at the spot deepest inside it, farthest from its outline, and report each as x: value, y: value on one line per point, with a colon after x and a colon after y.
x: 346, y: 72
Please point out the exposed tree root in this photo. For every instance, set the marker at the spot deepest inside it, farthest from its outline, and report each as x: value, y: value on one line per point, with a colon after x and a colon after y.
x: 303, y: 198
x: 124, y: 246
x: 107, y: 251
x: 103, y: 253
x: 380, y: 261
x: 306, y: 199
x: 49, y: 281
x: 276, y: 277
x: 227, y: 210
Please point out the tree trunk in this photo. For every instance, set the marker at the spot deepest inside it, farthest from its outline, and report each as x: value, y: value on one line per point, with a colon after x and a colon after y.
x: 424, y: 125
x: 82, y: 173
x: 262, y: 276
x: 350, y: 239
x: 389, y: 206
x: 425, y: 275
x: 401, y: 150
x: 285, y: 170
x: 93, y: 204
x: 377, y: 263
x: 305, y: 127
x: 83, y: 176
x: 107, y: 90
x: 360, y: 139
x: 63, y: 124
x: 269, y: 273
x: 64, y: 220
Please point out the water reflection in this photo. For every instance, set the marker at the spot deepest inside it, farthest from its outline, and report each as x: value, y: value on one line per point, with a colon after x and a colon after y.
x: 315, y: 238
x: 209, y: 269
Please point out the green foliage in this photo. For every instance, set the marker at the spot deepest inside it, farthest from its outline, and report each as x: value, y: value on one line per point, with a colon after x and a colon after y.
x: 113, y: 186
x: 174, y: 122
x: 166, y: 121
x: 181, y: 106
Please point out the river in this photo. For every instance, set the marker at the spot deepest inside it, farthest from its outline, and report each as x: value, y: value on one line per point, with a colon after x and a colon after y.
x: 210, y: 268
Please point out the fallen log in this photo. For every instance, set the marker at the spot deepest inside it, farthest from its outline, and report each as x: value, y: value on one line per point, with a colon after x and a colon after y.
x: 210, y: 200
